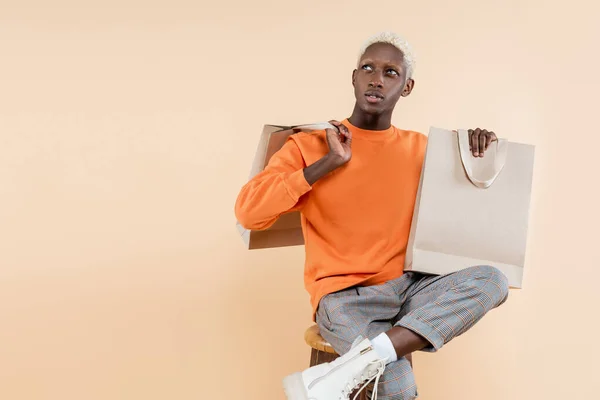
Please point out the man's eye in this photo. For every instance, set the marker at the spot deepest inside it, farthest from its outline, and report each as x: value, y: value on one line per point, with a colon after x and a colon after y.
x: 367, y: 67
x: 392, y: 72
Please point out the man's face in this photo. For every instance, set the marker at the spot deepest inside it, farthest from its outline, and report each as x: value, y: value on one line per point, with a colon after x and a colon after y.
x: 380, y: 79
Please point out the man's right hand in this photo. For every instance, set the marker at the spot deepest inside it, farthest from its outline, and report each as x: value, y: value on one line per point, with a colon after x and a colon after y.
x: 340, y: 143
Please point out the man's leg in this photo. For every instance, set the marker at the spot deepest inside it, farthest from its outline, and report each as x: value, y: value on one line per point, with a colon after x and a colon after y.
x: 426, y: 311
x: 366, y: 312
x: 440, y: 308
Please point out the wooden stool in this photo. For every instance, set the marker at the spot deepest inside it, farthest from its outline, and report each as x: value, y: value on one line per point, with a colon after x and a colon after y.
x: 322, y: 352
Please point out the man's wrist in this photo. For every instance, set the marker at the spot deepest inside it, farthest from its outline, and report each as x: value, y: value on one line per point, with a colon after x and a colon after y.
x: 331, y: 162
x: 319, y: 169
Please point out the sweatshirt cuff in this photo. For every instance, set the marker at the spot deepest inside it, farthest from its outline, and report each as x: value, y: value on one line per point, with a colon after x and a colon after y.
x: 297, y: 185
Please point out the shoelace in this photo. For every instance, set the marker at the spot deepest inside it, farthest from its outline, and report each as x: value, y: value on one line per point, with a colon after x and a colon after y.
x: 357, y: 384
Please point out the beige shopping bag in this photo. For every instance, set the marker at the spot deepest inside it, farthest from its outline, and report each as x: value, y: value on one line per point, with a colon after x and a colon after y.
x: 287, y: 231
x: 471, y: 211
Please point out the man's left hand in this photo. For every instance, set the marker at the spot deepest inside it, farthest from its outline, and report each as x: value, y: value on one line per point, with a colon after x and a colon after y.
x: 479, y: 141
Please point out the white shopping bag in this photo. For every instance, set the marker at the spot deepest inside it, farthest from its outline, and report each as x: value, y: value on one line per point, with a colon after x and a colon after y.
x: 287, y: 230
x: 471, y: 211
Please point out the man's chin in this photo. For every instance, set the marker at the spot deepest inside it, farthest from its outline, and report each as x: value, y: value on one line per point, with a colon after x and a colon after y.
x: 372, y: 109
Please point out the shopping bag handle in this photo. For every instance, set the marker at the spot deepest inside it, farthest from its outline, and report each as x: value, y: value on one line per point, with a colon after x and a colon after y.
x: 319, y: 126
x: 482, y: 172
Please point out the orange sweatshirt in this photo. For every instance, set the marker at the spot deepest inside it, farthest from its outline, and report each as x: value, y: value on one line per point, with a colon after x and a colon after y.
x: 356, y: 220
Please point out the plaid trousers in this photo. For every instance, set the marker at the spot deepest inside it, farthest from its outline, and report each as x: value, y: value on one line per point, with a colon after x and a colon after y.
x: 439, y: 308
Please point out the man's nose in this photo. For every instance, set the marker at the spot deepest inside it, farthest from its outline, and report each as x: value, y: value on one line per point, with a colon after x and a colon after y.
x: 376, y: 81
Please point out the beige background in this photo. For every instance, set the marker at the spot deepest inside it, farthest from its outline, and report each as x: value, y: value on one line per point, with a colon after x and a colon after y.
x: 127, y: 129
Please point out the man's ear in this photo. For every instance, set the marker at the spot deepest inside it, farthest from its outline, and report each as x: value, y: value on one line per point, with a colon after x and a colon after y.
x: 354, y: 77
x: 408, y: 87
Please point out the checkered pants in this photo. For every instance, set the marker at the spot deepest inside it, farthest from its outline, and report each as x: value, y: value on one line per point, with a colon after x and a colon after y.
x: 439, y: 308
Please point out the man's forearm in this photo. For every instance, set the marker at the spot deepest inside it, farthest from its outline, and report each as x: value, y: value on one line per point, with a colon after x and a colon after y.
x: 316, y: 171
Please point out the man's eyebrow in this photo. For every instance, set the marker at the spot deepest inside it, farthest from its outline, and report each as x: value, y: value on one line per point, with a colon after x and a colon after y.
x: 387, y: 63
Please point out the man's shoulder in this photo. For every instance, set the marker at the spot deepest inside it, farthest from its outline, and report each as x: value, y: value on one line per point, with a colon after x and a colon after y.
x: 408, y: 133
x: 309, y: 143
x: 412, y: 138
x: 309, y: 138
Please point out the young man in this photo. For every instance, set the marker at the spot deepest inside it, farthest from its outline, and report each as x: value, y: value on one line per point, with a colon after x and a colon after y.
x: 355, y: 187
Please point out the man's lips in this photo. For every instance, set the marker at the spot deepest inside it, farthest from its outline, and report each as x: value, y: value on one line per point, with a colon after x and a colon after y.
x: 374, y: 97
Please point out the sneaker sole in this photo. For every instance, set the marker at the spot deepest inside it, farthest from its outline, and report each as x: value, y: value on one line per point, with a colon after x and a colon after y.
x: 293, y: 385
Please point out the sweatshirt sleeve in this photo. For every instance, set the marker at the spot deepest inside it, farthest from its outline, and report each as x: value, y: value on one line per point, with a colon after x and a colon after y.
x: 276, y: 190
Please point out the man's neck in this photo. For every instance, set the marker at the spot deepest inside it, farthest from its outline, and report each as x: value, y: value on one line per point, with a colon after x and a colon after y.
x: 369, y: 121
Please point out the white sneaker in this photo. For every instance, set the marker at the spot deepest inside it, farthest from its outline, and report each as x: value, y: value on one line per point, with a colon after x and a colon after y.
x: 338, y: 379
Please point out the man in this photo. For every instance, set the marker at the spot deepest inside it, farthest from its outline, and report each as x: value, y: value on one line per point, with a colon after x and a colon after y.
x: 355, y: 187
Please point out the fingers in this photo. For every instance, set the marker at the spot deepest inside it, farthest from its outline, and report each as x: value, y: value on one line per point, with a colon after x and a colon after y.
x: 331, y: 134
x: 332, y: 137
x: 480, y: 140
x: 335, y: 123
x: 488, y: 139
x: 345, y: 133
x: 474, y: 140
x: 491, y: 138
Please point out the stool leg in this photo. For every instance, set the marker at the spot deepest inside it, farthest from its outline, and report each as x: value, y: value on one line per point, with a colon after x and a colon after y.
x: 320, y: 357
x: 314, y: 357
x: 366, y: 394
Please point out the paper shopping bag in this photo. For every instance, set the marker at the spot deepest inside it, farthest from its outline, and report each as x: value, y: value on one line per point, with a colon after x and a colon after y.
x: 287, y: 230
x: 471, y: 211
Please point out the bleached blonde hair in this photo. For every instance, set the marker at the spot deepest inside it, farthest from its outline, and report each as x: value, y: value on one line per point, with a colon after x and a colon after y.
x: 397, y: 41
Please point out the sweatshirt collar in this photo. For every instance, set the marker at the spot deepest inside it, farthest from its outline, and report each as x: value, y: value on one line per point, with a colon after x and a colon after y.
x: 369, y: 134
